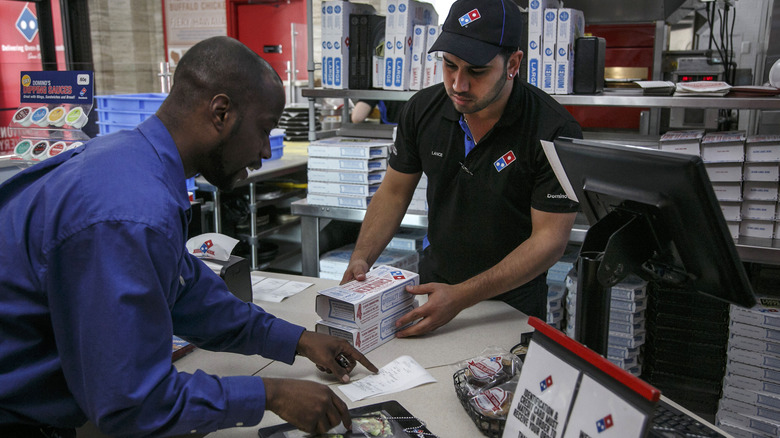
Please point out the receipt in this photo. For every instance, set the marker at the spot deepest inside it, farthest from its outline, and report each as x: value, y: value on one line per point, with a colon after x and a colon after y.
x: 400, y: 374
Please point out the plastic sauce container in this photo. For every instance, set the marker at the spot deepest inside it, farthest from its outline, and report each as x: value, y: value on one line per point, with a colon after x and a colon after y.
x: 40, y: 116
x: 76, y: 118
x: 23, y: 116
x: 57, y: 116
x: 23, y: 149
x: 39, y: 150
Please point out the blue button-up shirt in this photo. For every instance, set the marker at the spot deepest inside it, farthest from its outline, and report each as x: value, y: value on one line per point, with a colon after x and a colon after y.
x: 94, y: 281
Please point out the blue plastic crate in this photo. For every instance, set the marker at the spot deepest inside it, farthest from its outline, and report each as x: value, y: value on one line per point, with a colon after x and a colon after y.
x: 108, y: 128
x: 123, y: 117
x: 147, y: 102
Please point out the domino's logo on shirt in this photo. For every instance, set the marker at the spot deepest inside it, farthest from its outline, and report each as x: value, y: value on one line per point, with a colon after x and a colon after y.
x: 505, y: 160
x: 469, y: 17
x: 604, y: 424
x: 546, y: 383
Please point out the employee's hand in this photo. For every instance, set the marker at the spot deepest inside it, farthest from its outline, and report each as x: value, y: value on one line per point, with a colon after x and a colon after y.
x: 356, y: 270
x: 443, y: 305
x: 309, y: 406
x: 332, y: 355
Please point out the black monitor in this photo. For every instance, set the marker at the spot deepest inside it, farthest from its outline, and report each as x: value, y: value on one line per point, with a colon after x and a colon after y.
x: 652, y: 213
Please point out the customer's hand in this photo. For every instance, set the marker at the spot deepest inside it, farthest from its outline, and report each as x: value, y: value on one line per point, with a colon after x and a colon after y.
x: 309, y: 406
x: 327, y: 351
x: 443, y: 305
x: 356, y: 270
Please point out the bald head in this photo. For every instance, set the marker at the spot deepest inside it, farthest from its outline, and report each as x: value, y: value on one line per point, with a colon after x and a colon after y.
x: 222, y: 65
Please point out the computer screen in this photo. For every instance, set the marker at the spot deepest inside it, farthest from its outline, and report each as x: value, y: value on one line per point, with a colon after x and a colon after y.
x: 653, y: 213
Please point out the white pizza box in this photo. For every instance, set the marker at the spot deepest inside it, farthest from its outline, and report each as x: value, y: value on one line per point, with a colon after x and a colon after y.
x: 724, y: 171
x: 759, y: 210
x: 349, y: 164
x: 762, y: 148
x: 761, y: 172
x: 759, y: 315
x: 335, y: 176
x: 349, y: 147
x: 760, y: 190
x: 359, y: 304
x: 751, y: 384
x: 359, y: 202
x: 684, y: 142
x: 328, y: 188
x: 730, y: 191
x: 367, y: 338
x: 763, y: 229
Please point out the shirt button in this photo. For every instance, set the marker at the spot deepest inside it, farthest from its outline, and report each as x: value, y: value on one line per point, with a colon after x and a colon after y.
x: 181, y: 280
x: 239, y: 424
x: 193, y: 431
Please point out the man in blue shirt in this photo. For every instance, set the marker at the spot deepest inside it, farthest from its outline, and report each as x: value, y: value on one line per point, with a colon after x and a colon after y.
x: 96, y: 279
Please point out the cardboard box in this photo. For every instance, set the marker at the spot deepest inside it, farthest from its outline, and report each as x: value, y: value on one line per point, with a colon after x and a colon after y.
x: 751, y: 344
x: 741, y: 407
x: 757, y: 228
x: 535, y: 60
x: 408, y: 13
x: 760, y: 190
x: 571, y: 25
x: 755, y: 332
x: 732, y: 211
x: 751, y: 384
x: 720, y: 147
x: 762, y: 148
x: 347, y: 164
x: 367, y: 338
x: 360, y: 202
x: 759, y: 210
x: 408, y: 239
x: 360, y: 304
x: 758, y: 315
x: 338, y: 67
x: 549, y: 34
x: 365, y: 177
x: 722, y: 172
x: 327, y: 188
x: 349, y: 147
x: 754, y: 358
x: 755, y: 398
x: 753, y: 372
x: 728, y: 191
x: 684, y: 142
x: 419, y: 44
x: 750, y: 423
x: 761, y: 172
x: 432, y: 73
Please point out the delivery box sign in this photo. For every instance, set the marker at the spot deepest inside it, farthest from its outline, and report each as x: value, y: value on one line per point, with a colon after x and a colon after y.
x: 604, y: 423
x: 546, y: 383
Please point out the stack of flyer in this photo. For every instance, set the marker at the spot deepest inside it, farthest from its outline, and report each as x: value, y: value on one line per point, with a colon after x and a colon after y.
x: 402, y: 17
x: 552, y: 32
x: 556, y: 289
x: 335, y: 40
x: 346, y: 171
x: 626, y: 321
x: 365, y: 312
x: 333, y: 263
x: 750, y: 405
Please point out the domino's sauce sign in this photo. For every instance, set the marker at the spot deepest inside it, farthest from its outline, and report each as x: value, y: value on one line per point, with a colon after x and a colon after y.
x: 20, y: 51
x: 56, y: 87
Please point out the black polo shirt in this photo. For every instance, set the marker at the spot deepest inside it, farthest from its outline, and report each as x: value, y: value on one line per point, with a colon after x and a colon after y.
x: 480, y: 204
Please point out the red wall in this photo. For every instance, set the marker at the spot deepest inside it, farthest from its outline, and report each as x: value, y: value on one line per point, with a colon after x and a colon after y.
x: 268, y: 24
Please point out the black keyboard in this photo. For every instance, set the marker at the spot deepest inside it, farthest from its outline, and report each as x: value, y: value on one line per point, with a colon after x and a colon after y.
x: 670, y: 422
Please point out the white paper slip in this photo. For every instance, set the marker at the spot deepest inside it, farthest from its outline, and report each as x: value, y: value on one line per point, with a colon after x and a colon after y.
x: 400, y: 374
x: 275, y: 289
x: 555, y: 162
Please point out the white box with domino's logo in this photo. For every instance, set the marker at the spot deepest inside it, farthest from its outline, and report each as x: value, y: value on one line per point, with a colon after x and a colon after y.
x: 360, y: 304
x: 371, y: 336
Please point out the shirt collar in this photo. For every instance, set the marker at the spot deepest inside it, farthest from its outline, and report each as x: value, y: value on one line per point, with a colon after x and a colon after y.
x: 158, y: 136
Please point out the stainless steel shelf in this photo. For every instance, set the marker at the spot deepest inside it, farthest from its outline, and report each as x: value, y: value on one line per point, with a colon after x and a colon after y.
x: 358, y: 94
x: 604, y: 99
x: 412, y: 219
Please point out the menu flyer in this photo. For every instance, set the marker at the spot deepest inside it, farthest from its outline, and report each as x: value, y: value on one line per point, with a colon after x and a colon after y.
x: 598, y: 412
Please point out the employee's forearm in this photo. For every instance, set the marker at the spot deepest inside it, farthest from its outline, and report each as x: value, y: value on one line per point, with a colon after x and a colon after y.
x: 382, y: 220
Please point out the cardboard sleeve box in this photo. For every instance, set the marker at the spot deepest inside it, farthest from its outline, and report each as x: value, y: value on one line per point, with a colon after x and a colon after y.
x: 359, y: 304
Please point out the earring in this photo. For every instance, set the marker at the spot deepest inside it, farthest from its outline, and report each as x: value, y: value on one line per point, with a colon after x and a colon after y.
x: 510, y: 75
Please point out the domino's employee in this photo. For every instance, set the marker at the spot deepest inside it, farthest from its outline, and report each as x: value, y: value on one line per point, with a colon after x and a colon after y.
x: 497, y: 218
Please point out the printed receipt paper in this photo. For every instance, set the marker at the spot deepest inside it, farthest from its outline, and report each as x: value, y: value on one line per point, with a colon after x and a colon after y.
x: 400, y: 374
x: 545, y: 399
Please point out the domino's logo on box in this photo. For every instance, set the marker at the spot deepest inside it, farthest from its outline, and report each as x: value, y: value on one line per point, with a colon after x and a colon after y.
x: 391, y: 8
x: 418, y: 31
x: 330, y: 9
x: 337, y: 9
x: 533, y: 45
x: 562, y: 52
x: 432, y: 31
x: 389, y: 45
x: 548, y: 51
x: 399, y: 45
x: 564, y: 16
x: 402, y: 7
x: 534, y: 4
x: 336, y: 45
x: 549, y: 16
x: 416, y: 57
x: 397, y: 275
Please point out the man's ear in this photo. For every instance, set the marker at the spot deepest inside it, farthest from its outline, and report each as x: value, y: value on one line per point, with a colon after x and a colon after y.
x: 513, y: 65
x: 220, y: 108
